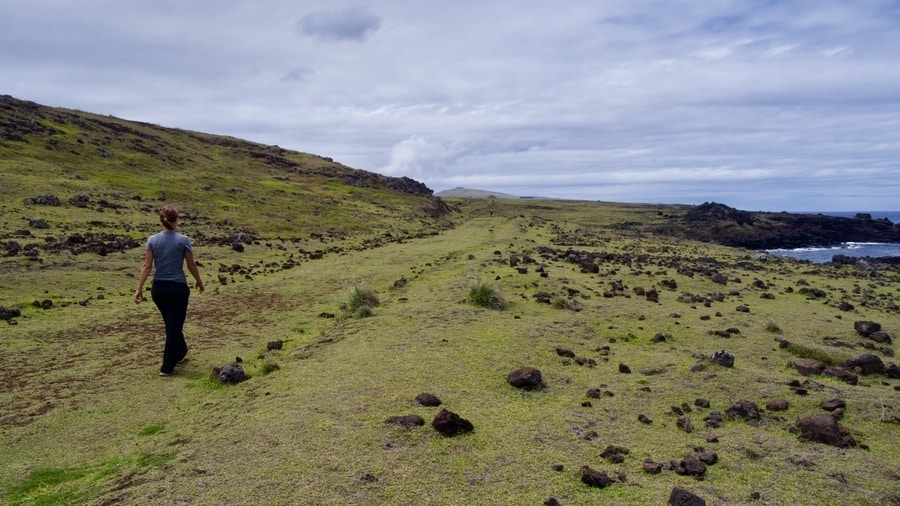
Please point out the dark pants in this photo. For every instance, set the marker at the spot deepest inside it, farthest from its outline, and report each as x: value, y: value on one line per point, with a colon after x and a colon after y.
x: 172, y: 300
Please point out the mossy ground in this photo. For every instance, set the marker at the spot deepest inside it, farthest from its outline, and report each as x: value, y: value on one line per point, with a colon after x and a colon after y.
x: 87, y: 419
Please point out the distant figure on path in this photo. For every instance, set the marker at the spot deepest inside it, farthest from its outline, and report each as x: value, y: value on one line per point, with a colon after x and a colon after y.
x: 170, y: 250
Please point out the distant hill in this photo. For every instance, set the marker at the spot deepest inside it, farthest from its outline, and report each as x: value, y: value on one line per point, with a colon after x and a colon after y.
x: 85, y: 164
x: 469, y: 193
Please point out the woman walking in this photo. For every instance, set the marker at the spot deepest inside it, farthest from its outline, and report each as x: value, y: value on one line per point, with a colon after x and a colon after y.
x: 170, y: 251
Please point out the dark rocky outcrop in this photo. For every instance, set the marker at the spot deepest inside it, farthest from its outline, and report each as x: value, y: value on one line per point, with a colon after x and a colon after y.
x: 721, y: 224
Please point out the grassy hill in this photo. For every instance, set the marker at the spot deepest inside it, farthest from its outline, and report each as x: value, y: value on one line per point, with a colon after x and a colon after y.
x: 621, y: 322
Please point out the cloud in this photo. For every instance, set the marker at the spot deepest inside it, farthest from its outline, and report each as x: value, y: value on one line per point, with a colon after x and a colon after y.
x: 418, y: 156
x: 339, y: 25
x: 297, y: 74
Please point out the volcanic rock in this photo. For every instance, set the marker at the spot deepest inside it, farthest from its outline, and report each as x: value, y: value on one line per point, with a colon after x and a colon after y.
x: 824, y: 429
x: 745, y: 410
x: 809, y: 366
x: 842, y: 375
x: 681, y: 497
x: 230, y: 374
x: 690, y: 466
x: 865, y: 364
x: 406, y: 421
x: 723, y: 358
x: 777, y: 405
x: 426, y: 399
x: 526, y: 378
x: 449, y: 423
x: 594, y: 478
x: 866, y: 328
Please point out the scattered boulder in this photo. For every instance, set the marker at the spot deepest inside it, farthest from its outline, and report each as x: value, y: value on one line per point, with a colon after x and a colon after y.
x: 614, y: 454
x: 742, y: 309
x: 681, y: 497
x: 9, y: 313
x: 841, y: 375
x: 449, y: 423
x: 38, y: 223
x: 777, y: 405
x: 651, y: 467
x: 866, y: 328
x: 708, y: 458
x: 892, y: 371
x: 644, y: 419
x: 880, y: 337
x: 594, y: 478
x: 809, y: 366
x: 526, y: 378
x: 44, y: 200
x: 745, y: 410
x: 723, y: 358
x: 684, y: 423
x: 426, y: 399
x: 833, y: 404
x: 690, y: 466
x: 624, y: 369
x: 824, y: 429
x: 406, y: 421
x: 563, y: 352
x: 230, y: 374
x: 865, y: 364
x: 274, y: 345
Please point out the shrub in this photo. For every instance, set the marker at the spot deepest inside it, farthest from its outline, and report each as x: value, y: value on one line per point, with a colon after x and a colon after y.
x: 773, y: 328
x: 484, y: 295
x: 362, y: 297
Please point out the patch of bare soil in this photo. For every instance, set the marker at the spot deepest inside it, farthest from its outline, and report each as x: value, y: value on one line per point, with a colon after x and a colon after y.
x: 65, y: 368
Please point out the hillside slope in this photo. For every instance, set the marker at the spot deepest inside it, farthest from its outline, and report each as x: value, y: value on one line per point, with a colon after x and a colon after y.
x: 93, y: 163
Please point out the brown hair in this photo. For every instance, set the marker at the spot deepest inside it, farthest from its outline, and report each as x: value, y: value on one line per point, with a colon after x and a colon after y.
x: 168, y: 215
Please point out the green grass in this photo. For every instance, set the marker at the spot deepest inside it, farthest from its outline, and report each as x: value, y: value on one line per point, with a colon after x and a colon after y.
x: 87, y: 420
x: 484, y: 295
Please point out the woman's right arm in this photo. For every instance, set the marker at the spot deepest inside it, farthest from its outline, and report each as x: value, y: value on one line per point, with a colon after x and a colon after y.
x: 146, y: 267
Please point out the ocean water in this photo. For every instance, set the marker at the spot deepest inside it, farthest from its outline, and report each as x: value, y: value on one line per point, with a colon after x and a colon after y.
x: 852, y: 249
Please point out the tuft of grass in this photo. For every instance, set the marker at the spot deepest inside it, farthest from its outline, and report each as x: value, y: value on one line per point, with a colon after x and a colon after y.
x: 484, y: 295
x: 773, y: 328
x: 268, y: 366
x: 152, y: 430
x: 360, y: 298
x: 563, y: 303
x: 800, y: 351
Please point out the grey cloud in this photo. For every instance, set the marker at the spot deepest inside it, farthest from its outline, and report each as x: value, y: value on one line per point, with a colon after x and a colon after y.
x: 338, y: 25
x: 298, y: 74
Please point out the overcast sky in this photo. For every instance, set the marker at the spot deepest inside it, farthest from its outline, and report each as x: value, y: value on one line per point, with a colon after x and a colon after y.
x: 761, y: 105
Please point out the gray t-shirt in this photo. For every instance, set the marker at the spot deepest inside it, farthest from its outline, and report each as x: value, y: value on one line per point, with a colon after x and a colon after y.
x: 168, y: 253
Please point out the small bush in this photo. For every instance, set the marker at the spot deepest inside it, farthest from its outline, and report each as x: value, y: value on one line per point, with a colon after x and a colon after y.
x: 773, y: 328
x: 362, y: 297
x: 484, y: 295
